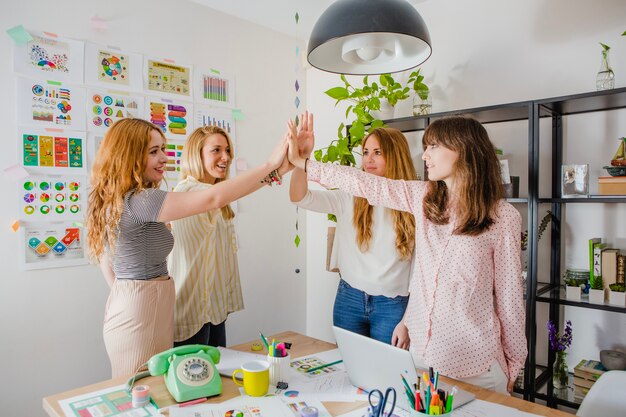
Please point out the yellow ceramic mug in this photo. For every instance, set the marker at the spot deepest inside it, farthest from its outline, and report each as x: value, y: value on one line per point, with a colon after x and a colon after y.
x: 256, y: 377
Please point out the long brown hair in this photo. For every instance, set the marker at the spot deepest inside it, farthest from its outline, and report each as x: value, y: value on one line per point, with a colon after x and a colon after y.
x: 477, y: 175
x: 117, y: 169
x: 192, y: 164
x: 399, y: 165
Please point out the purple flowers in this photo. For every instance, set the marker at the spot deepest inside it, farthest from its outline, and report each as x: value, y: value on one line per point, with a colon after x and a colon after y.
x: 559, y: 342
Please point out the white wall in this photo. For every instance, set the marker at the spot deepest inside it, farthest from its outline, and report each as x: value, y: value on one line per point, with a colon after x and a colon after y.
x: 489, y: 52
x: 51, y: 320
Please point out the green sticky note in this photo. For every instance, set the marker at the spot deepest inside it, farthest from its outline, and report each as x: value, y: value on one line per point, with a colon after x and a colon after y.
x: 77, y: 224
x: 214, y: 71
x: 237, y: 114
x: 19, y: 34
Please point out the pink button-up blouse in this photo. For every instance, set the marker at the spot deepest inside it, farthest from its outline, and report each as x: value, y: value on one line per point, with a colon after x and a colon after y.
x: 466, y: 307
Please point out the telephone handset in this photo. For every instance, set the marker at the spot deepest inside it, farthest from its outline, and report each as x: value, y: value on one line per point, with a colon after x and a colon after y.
x: 189, y: 370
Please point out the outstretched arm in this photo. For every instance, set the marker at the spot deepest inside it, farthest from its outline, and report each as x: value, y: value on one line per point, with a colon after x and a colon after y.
x: 179, y: 205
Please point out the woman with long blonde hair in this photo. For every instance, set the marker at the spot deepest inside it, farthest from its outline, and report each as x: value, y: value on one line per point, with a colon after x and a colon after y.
x: 128, y: 236
x: 373, y: 245
x: 466, y: 311
x: 203, y: 261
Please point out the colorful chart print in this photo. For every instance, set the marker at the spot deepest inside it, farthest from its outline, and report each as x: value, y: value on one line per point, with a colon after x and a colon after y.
x: 48, y: 54
x: 215, y: 116
x: 234, y: 413
x: 168, y: 78
x: 113, y: 68
x: 106, y: 107
x: 214, y: 87
x: 51, y: 104
x: 303, y: 365
x: 52, y: 245
x: 174, y: 151
x: 291, y: 394
x: 45, y: 198
x: 44, y: 152
x: 174, y: 118
x: 115, y: 402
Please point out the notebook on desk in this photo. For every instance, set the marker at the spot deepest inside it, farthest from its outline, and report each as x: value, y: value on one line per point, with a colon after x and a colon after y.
x: 371, y: 364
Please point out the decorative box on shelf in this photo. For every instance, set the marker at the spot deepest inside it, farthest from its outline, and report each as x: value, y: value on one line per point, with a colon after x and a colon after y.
x: 612, y: 185
x: 617, y: 298
x: 596, y: 296
x: 572, y: 293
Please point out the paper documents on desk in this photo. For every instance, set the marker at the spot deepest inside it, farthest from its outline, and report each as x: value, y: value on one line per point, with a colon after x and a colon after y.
x: 231, y: 360
x: 250, y: 407
x: 476, y: 408
x: 110, y: 402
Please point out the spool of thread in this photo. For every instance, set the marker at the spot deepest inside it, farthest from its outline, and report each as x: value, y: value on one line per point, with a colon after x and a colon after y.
x: 140, y: 396
x: 309, y: 412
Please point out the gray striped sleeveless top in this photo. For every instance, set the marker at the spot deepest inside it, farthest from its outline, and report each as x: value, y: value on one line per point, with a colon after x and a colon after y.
x: 143, y: 243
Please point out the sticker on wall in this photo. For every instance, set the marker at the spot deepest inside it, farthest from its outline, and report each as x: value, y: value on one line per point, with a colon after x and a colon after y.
x: 49, y: 198
x: 50, y: 104
x: 175, y: 118
x: 51, y: 245
x: 215, y: 87
x: 167, y: 78
x: 52, y: 151
x: 105, y: 107
x: 50, y: 57
x: 113, y: 68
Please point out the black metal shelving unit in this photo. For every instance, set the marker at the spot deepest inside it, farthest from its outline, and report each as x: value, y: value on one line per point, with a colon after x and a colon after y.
x: 537, y: 379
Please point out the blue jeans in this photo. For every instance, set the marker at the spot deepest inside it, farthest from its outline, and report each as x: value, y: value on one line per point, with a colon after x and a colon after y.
x: 375, y: 316
x: 209, y: 334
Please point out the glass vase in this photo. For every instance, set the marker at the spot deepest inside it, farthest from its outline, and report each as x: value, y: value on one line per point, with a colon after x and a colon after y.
x: 421, y: 106
x: 605, y: 80
x: 560, y: 371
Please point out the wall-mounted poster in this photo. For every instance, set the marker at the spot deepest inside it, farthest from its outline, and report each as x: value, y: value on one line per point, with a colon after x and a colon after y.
x: 52, y: 151
x: 167, y: 78
x: 50, y: 198
x: 215, y: 116
x: 50, y: 57
x: 105, y: 107
x: 52, y: 245
x: 214, y: 87
x: 113, y: 68
x: 50, y: 104
x: 175, y: 118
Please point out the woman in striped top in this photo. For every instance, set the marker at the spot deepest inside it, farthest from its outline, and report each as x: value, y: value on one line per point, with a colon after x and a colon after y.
x: 466, y: 312
x: 128, y: 236
x: 203, y: 262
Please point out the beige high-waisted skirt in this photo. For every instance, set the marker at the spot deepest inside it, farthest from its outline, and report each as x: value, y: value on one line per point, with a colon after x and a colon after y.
x: 138, y: 322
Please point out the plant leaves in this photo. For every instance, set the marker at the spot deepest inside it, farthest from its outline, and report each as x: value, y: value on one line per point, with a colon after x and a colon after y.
x: 338, y: 93
x: 332, y: 154
x: 318, y: 155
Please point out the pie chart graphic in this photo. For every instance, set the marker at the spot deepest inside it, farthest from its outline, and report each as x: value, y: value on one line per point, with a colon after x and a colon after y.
x: 234, y: 413
x: 291, y: 394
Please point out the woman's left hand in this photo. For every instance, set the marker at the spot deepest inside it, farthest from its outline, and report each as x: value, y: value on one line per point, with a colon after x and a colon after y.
x: 400, y: 336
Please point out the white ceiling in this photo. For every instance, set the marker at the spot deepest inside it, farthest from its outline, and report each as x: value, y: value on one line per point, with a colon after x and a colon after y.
x: 277, y: 15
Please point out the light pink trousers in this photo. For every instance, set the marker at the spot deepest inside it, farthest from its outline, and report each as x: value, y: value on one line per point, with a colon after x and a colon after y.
x: 138, y: 322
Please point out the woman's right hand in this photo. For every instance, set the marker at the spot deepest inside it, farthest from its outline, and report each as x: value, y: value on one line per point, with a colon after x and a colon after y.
x: 279, y: 153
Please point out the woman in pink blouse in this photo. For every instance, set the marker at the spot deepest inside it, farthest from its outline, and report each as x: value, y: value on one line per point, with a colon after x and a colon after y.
x: 465, y: 315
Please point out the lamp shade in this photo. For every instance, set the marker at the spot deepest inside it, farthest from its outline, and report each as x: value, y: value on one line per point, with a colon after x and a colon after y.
x: 369, y: 37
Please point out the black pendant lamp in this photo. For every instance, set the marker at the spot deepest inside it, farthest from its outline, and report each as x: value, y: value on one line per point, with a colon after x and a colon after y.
x: 369, y: 37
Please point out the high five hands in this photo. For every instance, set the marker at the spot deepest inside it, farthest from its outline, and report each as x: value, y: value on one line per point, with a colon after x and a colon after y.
x: 301, y: 140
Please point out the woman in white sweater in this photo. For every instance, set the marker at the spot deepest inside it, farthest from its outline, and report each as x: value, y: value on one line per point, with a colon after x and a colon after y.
x: 374, y: 263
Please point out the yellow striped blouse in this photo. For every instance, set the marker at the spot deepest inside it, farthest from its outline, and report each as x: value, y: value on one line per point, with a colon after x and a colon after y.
x: 204, y: 266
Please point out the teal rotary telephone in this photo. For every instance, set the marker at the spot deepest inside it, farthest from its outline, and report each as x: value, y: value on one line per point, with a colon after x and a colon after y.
x: 189, y: 370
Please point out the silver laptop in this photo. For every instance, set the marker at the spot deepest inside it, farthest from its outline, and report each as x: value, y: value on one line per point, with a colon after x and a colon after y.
x: 376, y: 365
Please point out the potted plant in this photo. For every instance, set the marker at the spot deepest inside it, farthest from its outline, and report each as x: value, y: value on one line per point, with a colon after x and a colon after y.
x: 617, y: 294
x: 559, y: 343
x: 596, y: 292
x: 572, y: 289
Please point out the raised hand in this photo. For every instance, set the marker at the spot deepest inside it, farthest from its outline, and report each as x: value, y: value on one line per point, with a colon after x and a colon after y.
x: 279, y: 152
x: 306, y: 135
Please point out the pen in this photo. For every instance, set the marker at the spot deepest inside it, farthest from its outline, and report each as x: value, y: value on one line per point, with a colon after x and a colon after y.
x: 264, y: 341
x: 317, y: 368
x: 153, y: 403
x: 406, y: 384
x: 192, y: 402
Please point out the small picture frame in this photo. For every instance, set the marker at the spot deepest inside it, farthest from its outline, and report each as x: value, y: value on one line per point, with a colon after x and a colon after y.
x: 575, y: 181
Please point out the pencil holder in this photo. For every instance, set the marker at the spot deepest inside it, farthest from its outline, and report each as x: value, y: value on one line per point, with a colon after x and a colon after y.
x: 279, y: 369
x: 413, y: 413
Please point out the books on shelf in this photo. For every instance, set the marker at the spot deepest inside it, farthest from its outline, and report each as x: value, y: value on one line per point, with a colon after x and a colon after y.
x: 612, y: 185
x: 592, y: 243
x: 609, y: 267
x: 586, y: 373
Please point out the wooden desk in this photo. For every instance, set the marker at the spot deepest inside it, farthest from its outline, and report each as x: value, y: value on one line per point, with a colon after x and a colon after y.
x: 302, y: 346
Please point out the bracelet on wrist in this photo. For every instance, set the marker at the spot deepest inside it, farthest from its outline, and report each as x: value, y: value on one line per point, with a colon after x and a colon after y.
x: 272, y: 177
x: 306, y: 161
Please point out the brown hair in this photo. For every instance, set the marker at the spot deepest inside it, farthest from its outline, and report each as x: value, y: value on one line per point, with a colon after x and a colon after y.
x: 399, y: 165
x: 192, y: 164
x: 117, y: 169
x: 477, y: 173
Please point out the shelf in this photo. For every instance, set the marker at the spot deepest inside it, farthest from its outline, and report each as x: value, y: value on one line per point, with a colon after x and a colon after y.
x: 583, y: 103
x: 491, y: 114
x: 556, y: 294
x: 591, y: 199
x: 563, y: 397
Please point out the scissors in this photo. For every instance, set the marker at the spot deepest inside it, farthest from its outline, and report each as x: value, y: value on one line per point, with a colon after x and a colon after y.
x: 378, y: 409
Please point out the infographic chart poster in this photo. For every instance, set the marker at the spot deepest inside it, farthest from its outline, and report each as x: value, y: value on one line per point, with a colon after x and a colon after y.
x: 214, y: 87
x: 52, y: 151
x: 174, y: 118
x: 105, y: 107
x: 52, y: 198
x: 52, y: 245
x: 167, y: 78
x: 50, y: 57
x: 113, y: 68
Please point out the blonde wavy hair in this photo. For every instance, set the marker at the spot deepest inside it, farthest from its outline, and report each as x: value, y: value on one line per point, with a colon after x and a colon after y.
x: 192, y: 163
x: 117, y: 169
x: 477, y: 170
x: 399, y: 165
